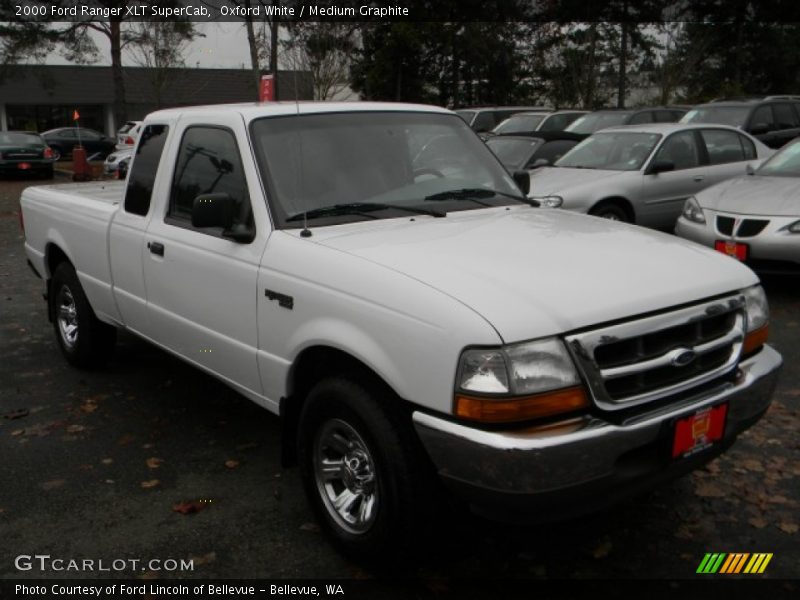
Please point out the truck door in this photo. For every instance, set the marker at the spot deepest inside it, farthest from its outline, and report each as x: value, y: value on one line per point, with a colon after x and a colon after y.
x: 201, y: 281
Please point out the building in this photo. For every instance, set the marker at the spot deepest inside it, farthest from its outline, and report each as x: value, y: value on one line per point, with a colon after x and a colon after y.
x: 42, y: 97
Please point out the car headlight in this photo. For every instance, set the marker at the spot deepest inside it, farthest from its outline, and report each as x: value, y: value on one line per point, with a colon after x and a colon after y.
x: 549, y: 201
x: 757, y: 309
x: 692, y: 211
x: 518, y: 382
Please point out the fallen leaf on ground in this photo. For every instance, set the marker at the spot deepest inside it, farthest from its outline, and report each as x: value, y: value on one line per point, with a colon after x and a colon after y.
x: 752, y: 464
x: 757, y: 522
x: 154, y: 462
x: 709, y: 490
x: 603, y: 549
x: 107, y: 461
x: 231, y: 464
x: 248, y: 446
x: 75, y: 428
x: 309, y: 527
x: 89, y: 406
x: 17, y: 413
x: 53, y: 484
x: 787, y: 527
x: 188, y: 508
x: 17, y: 432
x: 150, y: 483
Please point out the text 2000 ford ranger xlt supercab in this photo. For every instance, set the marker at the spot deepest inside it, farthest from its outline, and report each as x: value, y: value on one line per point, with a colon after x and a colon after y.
x: 372, y: 273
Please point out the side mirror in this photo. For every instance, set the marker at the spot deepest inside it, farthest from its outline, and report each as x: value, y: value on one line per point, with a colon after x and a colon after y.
x: 213, y: 210
x: 661, y: 166
x: 523, y: 181
x: 759, y: 128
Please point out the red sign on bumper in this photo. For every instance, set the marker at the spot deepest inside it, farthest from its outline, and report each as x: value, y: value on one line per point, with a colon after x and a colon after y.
x: 734, y: 249
x: 699, y: 431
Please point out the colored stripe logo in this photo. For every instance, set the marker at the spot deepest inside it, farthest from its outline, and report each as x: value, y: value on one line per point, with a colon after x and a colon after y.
x: 734, y: 563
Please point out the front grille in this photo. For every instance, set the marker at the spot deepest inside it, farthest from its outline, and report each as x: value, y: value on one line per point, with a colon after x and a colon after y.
x: 751, y: 227
x: 725, y: 225
x: 651, y: 358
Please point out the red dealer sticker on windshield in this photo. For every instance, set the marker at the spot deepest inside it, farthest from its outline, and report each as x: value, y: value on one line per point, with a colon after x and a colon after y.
x: 699, y: 431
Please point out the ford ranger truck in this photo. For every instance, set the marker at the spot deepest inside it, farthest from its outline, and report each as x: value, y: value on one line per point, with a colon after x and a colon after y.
x: 372, y: 274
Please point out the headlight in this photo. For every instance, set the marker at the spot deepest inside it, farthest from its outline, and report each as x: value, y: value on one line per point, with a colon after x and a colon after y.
x: 549, y: 201
x: 692, y: 211
x: 757, y: 319
x: 518, y: 382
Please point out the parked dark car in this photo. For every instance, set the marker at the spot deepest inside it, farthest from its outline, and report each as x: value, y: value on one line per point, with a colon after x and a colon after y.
x: 610, y: 117
x: 485, y: 118
x: 529, y: 122
x: 63, y: 139
x: 773, y: 120
x: 520, y: 152
x: 25, y: 152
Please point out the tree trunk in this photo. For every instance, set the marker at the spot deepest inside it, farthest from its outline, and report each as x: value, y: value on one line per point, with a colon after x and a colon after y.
x: 251, y: 41
x: 623, y: 65
x: 588, y: 99
x: 120, y: 110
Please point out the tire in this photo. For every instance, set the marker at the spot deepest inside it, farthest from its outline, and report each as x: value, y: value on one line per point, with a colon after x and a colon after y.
x: 611, y: 211
x: 85, y: 341
x: 376, y: 466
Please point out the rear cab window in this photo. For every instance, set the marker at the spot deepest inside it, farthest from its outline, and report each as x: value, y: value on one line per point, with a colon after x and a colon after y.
x: 143, y: 171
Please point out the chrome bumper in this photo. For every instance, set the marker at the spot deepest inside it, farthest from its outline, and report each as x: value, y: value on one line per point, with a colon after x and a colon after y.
x: 590, y: 457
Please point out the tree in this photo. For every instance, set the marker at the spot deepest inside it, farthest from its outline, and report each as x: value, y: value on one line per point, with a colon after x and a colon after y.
x: 324, y: 49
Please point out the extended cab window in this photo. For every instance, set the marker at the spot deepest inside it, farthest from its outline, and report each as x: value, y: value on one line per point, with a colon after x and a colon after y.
x: 143, y: 172
x: 208, y: 163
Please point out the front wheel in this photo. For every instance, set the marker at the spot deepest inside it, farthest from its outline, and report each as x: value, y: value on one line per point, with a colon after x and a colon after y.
x: 84, y: 340
x: 363, y: 470
x: 611, y: 211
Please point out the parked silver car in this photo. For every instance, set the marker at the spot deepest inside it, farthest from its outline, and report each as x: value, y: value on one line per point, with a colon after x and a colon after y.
x: 113, y: 160
x: 755, y: 219
x: 644, y: 173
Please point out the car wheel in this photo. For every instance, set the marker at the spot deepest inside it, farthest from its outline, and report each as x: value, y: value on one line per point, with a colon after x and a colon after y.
x: 611, y: 211
x: 363, y: 470
x: 84, y: 340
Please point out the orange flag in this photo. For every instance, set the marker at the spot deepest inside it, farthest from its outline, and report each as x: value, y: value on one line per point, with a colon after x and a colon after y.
x: 75, y: 115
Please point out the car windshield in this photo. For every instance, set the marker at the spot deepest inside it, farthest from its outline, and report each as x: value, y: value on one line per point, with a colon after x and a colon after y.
x: 405, y: 159
x: 785, y: 163
x: 20, y: 138
x: 596, y: 121
x: 519, y: 124
x: 723, y: 115
x: 613, y: 150
x: 467, y: 115
x: 514, y: 153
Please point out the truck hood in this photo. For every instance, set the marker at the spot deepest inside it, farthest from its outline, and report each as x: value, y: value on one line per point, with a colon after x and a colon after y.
x: 536, y: 272
x: 754, y: 195
x: 554, y: 180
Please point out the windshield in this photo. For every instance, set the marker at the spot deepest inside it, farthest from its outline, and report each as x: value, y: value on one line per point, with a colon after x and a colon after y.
x: 785, y: 163
x: 519, y: 124
x: 596, y: 121
x: 514, y: 153
x: 318, y: 161
x: 723, y: 115
x: 467, y: 115
x: 615, y: 151
x: 18, y: 138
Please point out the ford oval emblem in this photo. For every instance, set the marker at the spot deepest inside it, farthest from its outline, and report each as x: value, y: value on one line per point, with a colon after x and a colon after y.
x: 682, y: 357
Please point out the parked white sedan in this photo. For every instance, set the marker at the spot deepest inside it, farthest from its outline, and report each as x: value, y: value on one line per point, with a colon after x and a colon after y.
x: 755, y: 219
x: 644, y: 173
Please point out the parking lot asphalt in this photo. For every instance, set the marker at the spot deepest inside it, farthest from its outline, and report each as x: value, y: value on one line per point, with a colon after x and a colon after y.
x: 104, y: 464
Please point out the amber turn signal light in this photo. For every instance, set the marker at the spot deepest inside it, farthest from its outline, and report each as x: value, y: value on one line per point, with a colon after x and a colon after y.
x: 525, y: 408
x: 755, y: 339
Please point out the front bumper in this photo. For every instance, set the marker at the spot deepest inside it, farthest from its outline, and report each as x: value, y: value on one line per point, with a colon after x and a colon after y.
x: 587, y: 463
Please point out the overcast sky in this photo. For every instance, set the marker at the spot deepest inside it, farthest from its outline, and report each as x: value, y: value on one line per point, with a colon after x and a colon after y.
x: 224, y: 46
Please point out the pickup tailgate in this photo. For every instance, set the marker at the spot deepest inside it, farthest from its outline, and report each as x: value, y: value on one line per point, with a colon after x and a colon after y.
x: 75, y: 217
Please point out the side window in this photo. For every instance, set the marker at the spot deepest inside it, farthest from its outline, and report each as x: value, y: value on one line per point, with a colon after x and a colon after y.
x: 681, y: 150
x: 748, y: 147
x: 762, y: 117
x: 642, y: 117
x: 722, y: 146
x: 208, y: 162
x: 668, y: 116
x: 484, y: 121
x: 785, y: 117
x: 143, y: 172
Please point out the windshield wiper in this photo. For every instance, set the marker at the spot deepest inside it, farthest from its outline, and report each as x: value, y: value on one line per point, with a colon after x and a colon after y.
x: 357, y: 208
x: 473, y: 195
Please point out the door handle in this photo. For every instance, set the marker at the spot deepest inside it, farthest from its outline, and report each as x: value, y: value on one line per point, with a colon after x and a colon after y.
x: 156, y: 248
x: 699, y: 178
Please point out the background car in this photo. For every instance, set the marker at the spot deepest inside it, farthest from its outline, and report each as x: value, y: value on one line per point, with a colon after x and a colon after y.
x: 774, y: 120
x: 518, y: 152
x: 128, y: 134
x: 754, y: 218
x: 529, y: 122
x: 113, y: 161
x: 612, y: 117
x: 25, y: 152
x: 64, y: 139
x: 484, y: 118
x: 644, y: 173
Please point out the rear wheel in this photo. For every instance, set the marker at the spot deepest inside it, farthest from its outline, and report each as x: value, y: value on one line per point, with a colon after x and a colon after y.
x: 84, y: 340
x: 363, y: 470
x: 613, y: 211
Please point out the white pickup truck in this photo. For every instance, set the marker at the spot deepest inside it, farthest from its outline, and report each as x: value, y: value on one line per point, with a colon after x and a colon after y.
x: 371, y: 273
